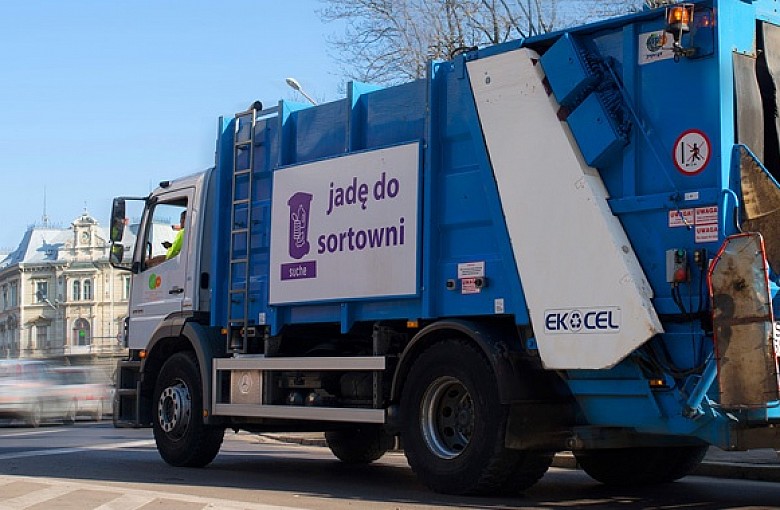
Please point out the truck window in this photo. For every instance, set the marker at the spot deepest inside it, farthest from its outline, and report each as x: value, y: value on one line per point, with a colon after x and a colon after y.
x: 165, y: 233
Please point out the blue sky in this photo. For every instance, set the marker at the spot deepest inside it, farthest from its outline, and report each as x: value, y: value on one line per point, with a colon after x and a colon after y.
x: 100, y: 98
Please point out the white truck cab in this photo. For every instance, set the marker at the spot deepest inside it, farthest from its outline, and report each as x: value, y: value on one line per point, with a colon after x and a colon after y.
x: 164, y: 257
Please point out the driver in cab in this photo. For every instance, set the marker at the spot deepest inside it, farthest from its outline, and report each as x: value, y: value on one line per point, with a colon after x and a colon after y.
x: 172, y: 249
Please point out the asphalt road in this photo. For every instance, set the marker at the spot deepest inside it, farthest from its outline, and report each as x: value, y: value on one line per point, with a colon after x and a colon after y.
x: 91, y: 466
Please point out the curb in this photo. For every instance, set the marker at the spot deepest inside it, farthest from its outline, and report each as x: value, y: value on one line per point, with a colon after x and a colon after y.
x: 566, y: 460
x: 738, y: 471
x: 733, y: 470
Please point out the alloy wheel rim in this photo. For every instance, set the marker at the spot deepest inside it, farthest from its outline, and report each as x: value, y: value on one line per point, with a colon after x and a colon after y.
x: 174, y: 410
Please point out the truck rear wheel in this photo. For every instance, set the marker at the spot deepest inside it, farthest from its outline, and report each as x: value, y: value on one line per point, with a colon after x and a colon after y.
x: 640, y: 466
x: 181, y: 436
x: 362, y: 445
x: 531, y: 466
x: 455, y: 425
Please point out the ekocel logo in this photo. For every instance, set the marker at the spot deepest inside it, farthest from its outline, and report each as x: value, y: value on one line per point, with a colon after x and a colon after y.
x: 582, y: 320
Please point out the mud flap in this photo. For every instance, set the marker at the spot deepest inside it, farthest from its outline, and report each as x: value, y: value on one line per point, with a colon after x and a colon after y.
x: 743, y: 323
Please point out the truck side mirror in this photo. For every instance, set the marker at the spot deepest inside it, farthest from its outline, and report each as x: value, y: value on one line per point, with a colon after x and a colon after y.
x: 117, y: 222
x: 116, y: 254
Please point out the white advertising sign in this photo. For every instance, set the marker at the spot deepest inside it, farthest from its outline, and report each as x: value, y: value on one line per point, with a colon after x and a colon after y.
x: 346, y: 227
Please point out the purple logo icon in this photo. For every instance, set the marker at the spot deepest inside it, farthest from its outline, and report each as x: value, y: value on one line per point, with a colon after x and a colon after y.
x: 300, y: 204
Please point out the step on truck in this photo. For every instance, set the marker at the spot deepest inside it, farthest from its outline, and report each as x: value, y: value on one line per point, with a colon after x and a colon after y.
x: 566, y: 242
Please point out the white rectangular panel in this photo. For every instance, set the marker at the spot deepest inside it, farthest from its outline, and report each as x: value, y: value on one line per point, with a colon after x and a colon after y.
x: 346, y: 227
x: 589, y: 300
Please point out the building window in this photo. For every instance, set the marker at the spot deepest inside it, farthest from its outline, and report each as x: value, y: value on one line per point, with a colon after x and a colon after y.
x: 42, y: 337
x: 87, y: 290
x: 81, y: 333
x: 5, y: 297
x: 41, y: 292
x: 14, y: 294
x: 125, y: 287
x: 76, y: 290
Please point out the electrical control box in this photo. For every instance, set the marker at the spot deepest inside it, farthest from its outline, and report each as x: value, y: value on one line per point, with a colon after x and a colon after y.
x: 676, y: 266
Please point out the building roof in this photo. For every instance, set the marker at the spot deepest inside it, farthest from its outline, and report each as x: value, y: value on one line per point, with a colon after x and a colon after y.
x: 43, y: 244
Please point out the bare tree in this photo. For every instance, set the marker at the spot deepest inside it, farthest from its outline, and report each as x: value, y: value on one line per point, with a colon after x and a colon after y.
x: 388, y: 41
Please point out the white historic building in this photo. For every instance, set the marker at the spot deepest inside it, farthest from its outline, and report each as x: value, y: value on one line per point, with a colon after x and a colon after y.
x: 60, y: 298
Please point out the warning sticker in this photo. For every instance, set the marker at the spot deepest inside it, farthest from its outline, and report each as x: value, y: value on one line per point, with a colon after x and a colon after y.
x: 706, y: 215
x: 681, y: 217
x: 469, y: 286
x: 471, y: 270
x: 706, y: 233
x: 691, y: 152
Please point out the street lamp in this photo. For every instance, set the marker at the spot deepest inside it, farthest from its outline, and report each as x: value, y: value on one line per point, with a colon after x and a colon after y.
x: 293, y: 83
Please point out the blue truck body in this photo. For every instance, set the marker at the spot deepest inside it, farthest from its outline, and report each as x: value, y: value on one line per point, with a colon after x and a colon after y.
x: 672, y: 120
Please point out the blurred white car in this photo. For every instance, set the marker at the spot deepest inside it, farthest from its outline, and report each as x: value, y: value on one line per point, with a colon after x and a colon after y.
x: 87, y: 389
x: 29, y: 391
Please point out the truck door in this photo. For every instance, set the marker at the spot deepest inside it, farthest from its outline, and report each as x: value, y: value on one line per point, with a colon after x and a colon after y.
x: 160, y: 286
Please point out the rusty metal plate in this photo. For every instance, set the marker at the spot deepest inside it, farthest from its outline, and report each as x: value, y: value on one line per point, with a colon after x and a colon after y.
x: 743, y: 323
x: 761, y: 205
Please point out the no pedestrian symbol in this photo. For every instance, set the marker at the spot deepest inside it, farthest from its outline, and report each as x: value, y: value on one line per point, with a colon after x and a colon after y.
x: 691, y: 152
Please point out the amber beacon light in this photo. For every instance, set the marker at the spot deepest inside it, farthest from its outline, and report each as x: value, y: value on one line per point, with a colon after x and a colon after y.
x: 679, y: 19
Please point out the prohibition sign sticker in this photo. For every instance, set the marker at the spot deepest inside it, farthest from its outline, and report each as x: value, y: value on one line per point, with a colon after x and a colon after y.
x: 691, y: 152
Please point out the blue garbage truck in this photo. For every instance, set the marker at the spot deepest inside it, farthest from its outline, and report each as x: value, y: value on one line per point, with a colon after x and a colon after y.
x: 566, y: 242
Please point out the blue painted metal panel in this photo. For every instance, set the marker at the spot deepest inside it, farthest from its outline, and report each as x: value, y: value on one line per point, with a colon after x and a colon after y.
x: 567, y: 72
x: 221, y: 216
x: 460, y: 198
x: 320, y: 132
x: 595, y: 131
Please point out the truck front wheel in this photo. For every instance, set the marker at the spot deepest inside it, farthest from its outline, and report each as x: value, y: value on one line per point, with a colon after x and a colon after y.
x: 455, y: 425
x: 181, y: 436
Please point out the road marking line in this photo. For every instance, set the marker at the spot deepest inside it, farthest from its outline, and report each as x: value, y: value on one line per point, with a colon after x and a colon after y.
x: 127, y: 499
x: 79, y: 449
x: 127, y: 502
x: 35, y: 497
x: 35, y: 433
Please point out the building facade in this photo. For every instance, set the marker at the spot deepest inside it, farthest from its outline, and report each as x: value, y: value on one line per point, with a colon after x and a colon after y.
x: 60, y: 298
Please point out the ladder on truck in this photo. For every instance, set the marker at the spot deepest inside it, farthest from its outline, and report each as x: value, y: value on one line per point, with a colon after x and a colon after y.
x: 240, y: 223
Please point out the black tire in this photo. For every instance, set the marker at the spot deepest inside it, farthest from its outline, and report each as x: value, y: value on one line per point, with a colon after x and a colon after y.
x: 531, y: 466
x: 361, y: 445
x: 625, y: 467
x: 69, y: 418
x: 33, y: 418
x: 455, y: 425
x: 181, y: 436
x: 99, y: 412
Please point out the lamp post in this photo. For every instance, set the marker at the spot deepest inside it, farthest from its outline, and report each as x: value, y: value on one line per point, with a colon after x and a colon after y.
x: 293, y: 83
